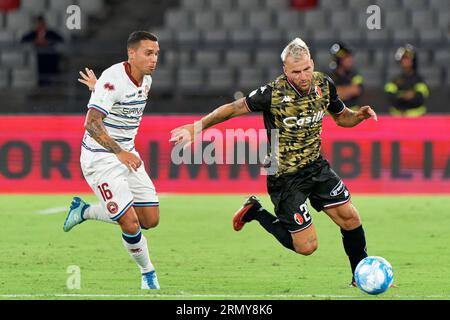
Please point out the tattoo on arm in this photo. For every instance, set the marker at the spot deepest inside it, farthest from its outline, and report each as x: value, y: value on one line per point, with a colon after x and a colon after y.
x: 94, y: 125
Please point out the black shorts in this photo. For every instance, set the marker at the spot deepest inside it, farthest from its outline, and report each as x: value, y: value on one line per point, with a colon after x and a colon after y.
x: 289, y: 192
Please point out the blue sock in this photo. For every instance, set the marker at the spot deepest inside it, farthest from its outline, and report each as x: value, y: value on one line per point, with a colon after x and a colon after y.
x: 132, y: 238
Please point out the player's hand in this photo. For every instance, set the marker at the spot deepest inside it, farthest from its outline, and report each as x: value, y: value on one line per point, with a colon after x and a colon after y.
x: 89, y: 78
x: 183, y: 134
x: 129, y: 159
x: 366, y: 112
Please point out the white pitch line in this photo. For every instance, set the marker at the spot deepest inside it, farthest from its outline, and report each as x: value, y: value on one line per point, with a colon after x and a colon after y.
x: 52, y: 210
x: 63, y: 295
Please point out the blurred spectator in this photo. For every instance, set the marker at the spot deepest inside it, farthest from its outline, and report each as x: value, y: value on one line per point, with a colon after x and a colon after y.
x: 407, y: 91
x: 349, y: 83
x: 44, y: 40
x: 7, y: 5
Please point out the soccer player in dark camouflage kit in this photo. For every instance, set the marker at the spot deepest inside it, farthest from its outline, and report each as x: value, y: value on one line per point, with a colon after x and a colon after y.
x: 294, y: 104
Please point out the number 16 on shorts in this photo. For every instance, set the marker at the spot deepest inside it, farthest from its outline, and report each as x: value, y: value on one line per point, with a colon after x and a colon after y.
x: 106, y: 195
x: 105, y: 192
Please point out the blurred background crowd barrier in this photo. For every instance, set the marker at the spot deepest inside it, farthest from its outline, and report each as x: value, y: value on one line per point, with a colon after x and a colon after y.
x: 41, y: 154
x: 211, y: 50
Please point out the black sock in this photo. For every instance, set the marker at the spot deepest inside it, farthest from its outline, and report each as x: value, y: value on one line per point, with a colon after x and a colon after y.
x: 355, y: 245
x: 274, y: 226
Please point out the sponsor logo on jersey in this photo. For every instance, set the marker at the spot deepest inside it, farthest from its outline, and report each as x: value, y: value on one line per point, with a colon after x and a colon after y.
x: 112, y: 207
x: 304, y: 121
x: 133, y: 111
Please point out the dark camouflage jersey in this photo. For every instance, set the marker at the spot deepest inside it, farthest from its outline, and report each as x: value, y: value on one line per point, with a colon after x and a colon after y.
x: 298, y: 118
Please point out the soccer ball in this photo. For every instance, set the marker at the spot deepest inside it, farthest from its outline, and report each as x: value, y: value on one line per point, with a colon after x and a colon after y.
x: 374, y: 275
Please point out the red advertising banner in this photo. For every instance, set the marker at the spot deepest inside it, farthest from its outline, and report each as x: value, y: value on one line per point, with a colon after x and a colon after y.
x: 393, y: 155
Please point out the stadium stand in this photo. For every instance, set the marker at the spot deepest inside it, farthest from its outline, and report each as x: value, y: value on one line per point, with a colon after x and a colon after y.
x: 239, y: 40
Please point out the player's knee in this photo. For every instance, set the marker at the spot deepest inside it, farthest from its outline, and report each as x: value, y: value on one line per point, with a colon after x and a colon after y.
x: 129, y: 224
x: 306, y: 249
x: 131, y: 227
x: 152, y: 223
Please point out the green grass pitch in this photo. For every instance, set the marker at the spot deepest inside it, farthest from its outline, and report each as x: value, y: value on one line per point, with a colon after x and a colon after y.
x: 198, y: 255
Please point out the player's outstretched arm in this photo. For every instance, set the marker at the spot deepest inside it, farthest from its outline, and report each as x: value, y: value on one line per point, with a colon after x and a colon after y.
x: 349, y: 118
x: 89, y: 79
x: 94, y: 125
x: 185, y: 134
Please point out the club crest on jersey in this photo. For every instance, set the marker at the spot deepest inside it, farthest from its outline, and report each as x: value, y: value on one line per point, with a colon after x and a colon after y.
x: 146, y: 90
x: 112, y: 207
x: 298, y: 218
x: 108, y: 86
x: 318, y: 92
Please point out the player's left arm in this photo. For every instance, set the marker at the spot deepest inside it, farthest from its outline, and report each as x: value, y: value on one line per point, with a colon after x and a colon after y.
x: 89, y: 79
x: 344, y: 116
x: 349, y: 118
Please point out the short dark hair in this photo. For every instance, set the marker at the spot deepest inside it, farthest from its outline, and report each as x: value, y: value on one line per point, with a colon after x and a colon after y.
x: 135, y: 38
x: 39, y: 18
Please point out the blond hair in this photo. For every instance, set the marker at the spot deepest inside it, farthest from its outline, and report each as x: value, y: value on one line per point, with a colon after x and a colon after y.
x: 296, y: 48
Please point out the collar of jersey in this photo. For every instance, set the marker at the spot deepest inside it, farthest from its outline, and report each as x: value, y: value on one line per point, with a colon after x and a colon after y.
x: 127, y: 67
x: 297, y: 90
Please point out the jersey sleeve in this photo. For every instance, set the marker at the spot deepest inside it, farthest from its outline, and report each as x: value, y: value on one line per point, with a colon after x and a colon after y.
x: 104, y: 95
x: 336, y: 105
x: 259, y: 99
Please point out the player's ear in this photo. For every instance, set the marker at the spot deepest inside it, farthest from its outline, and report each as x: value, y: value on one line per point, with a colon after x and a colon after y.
x: 131, y: 52
x: 312, y: 64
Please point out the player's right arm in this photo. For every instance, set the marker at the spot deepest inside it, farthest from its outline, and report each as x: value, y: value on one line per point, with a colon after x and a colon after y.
x: 227, y: 111
x: 257, y: 100
x: 224, y: 113
x: 102, y: 99
x: 94, y: 125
